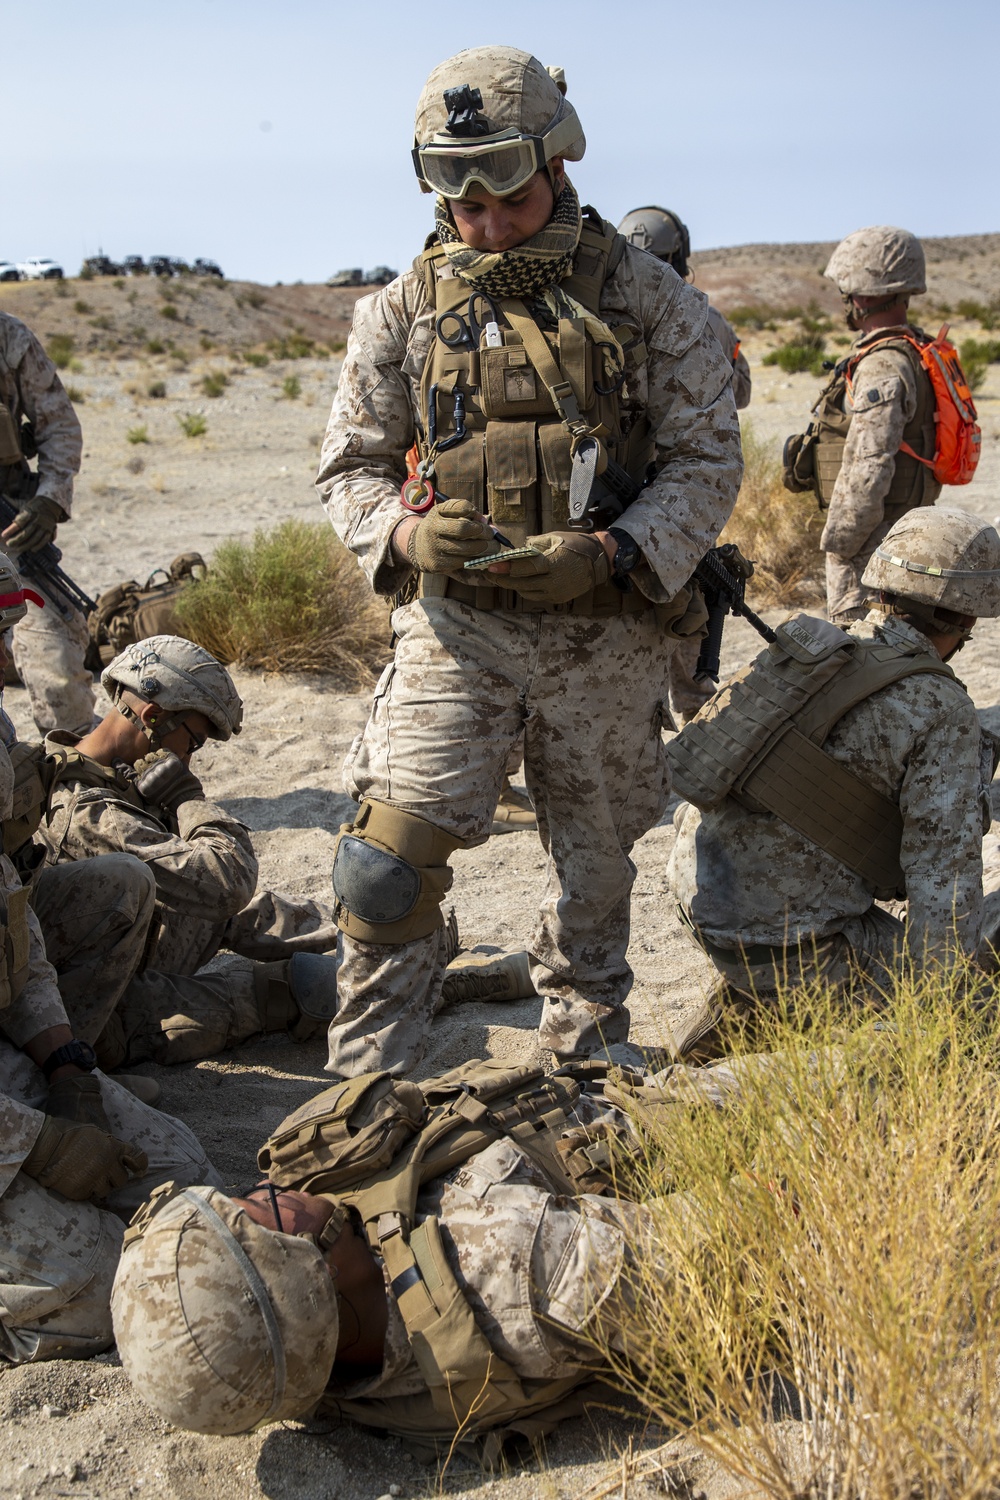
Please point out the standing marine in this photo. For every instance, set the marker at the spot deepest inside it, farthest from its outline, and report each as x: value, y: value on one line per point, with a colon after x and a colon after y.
x: 664, y: 234
x: 37, y: 421
x: 869, y: 450
x: 527, y: 347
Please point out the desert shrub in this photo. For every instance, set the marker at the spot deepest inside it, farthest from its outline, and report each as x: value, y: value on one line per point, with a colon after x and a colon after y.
x: 337, y: 346
x: 257, y: 359
x: 818, y: 1266
x: 292, y: 346
x: 206, y: 342
x: 255, y: 298
x: 118, y: 284
x: 157, y: 389
x: 290, y: 600
x: 987, y: 317
x: 777, y: 530
x: 291, y: 388
x: 168, y: 310
x: 75, y: 394
x: 60, y: 349
x: 136, y: 464
x: 192, y: 424
x: 86, y: 274
x: 214, y: 383
x: 976, y: 358
x: 156, y: 346
x: 800, y: 354
x: 81, y: 307
x: 137, y: 435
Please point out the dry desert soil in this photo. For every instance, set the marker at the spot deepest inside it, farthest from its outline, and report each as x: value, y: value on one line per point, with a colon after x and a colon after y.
x: 77, y: 1429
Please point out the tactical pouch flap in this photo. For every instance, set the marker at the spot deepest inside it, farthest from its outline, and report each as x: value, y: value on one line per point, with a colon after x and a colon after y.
x: 346, y: 1133
x: 512, y: 467
x: 808, y: 639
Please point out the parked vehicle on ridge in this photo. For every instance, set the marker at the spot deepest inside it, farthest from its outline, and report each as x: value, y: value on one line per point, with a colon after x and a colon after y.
x: 40, y: 268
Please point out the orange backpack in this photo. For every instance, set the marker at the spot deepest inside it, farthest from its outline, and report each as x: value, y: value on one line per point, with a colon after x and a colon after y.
x: 958, y: 439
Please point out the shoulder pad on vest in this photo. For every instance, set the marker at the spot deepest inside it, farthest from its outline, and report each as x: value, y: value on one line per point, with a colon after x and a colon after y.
x: 809, y: 639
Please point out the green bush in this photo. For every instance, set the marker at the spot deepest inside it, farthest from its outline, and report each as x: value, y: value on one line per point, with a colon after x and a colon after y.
x: 137, y: 435
x: 157, y: 390
x: 255, y: 298
x: 81, y: 307
x: 292, y: 346
x: 291, y: 388
x: 192, y: 424
x: 206, y: 342
x: 257, y: 359
x: 75, y: 394
x: 168, y: 310
x: 986, y: 316
x: 86, y: 274
x: 214, y: 383
x: 801, y: 354
x: 60, y: 349
x: 976, y: 358
x: 290, y: 600
x: 155, y: 346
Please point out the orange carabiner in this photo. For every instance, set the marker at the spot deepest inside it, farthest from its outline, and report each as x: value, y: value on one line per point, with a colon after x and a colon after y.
x: 417, y: 495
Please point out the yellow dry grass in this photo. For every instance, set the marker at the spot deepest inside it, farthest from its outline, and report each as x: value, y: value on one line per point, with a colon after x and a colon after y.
x: 777, y: 530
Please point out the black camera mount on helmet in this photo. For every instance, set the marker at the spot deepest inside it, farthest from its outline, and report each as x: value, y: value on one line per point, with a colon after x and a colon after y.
x: 463, y: 106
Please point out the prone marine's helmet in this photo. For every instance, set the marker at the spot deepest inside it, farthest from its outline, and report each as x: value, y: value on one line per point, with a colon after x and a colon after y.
x: 222, y: 1325
x: 939, y: 557
x: 181, y: 677
x: 661, y: 232
x: 13, y: 594
x: 878, y: 262
x: 493, y: 116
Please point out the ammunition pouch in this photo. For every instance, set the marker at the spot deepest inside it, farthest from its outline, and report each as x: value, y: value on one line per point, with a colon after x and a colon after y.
x: 390, y: 875
x: 798, y: 463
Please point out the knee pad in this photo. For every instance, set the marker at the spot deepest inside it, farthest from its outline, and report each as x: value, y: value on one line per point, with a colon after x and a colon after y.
x: 390, y: 875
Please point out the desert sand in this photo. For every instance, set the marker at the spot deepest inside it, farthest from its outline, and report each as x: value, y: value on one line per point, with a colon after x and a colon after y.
x: 78, y: 1428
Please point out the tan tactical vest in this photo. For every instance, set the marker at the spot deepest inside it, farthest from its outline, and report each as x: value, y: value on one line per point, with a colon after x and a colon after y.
x: 759, y: 741
x: 913, y: 483
x: 13, y: 460
x: 515, y: 462
x: 371, y: 1143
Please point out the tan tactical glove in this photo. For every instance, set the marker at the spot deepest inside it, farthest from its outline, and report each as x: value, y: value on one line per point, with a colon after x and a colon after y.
x: 447, y: 537
x: 81, y: 1161
x: 164, y: 779
x: 78, y: 1099
x: 34, y: 525
x: 570, y: 563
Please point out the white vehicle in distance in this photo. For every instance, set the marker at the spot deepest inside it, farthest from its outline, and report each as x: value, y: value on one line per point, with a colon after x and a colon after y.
x: 40, y: 268
x: 8, y: 271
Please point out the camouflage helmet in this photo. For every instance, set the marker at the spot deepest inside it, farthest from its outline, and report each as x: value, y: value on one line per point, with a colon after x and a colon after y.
x: 878, y: 262
x: 660, y: 232
x: 13, y: 594
x: 942, y: 557
x: 180, y: 677
x: 493, y: 115
x: 221, y: 1324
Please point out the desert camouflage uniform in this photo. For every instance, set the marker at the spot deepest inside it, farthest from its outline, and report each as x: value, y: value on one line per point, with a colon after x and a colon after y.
x: 58, y: 1258
x: 590, y: 693
x: 174, y: 896
x: 686, y: 695
x: 747, y: 878
x: 885, y: 386
x: 48, y: 647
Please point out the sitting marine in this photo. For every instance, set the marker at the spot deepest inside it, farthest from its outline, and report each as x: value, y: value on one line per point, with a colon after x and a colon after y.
x: 80, y: 1153
x: 842, y: 768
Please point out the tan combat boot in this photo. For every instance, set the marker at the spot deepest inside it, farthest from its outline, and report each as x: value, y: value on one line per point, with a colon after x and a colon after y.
x: 514, y: 812
x: 487, y: 976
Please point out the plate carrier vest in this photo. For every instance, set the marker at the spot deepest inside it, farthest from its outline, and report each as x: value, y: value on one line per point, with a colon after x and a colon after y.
x: 515, y: 461
x: 759, y: 741
x: 370, y: 1143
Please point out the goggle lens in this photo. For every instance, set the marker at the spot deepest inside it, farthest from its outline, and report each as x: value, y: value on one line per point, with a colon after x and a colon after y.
x: 501, y: 169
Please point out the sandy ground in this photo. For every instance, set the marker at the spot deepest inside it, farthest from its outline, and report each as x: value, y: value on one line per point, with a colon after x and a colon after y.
x: 77, y: 1429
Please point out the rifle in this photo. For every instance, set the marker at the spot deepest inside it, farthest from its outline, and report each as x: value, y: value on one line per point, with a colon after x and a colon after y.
x: 600, y: 490
x: 42, y: 566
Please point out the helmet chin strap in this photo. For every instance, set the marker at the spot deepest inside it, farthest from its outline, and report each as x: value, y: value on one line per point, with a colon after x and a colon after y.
x: 157, y: 731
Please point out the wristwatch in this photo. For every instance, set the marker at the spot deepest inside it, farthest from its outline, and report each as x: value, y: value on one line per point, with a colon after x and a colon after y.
x: 626, y: 557
x: 76, y: 1053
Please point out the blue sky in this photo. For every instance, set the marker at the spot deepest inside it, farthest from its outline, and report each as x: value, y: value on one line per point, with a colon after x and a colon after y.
x: 275, y: 137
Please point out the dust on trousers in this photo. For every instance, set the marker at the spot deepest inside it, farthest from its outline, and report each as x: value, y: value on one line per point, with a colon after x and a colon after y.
x: 589, y: 695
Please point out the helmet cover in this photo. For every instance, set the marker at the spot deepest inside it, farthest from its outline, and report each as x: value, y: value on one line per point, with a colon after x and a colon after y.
x: 181, y: 677
x: 878, y: 262
x: 939, y: 556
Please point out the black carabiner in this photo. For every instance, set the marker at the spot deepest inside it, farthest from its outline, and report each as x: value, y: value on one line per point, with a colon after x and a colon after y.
x: 610, y: 390
x: 461, y: 431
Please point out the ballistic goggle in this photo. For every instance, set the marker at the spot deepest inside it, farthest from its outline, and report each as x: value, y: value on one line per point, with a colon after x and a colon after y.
x: 501, y: 164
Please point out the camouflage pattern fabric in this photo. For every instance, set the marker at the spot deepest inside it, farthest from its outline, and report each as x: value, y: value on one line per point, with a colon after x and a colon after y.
x: 48, y: 647
x: 686, y: 695
x: 745, y: 877
x: 729, y: 340
x: 58, y: 1258
x: 590, y: 692
x: 589, y: 696
x: 885, y: 401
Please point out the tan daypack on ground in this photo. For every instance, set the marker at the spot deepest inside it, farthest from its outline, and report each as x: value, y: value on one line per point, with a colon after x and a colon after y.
x: 372, y: 1142
x: 131, y: 611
